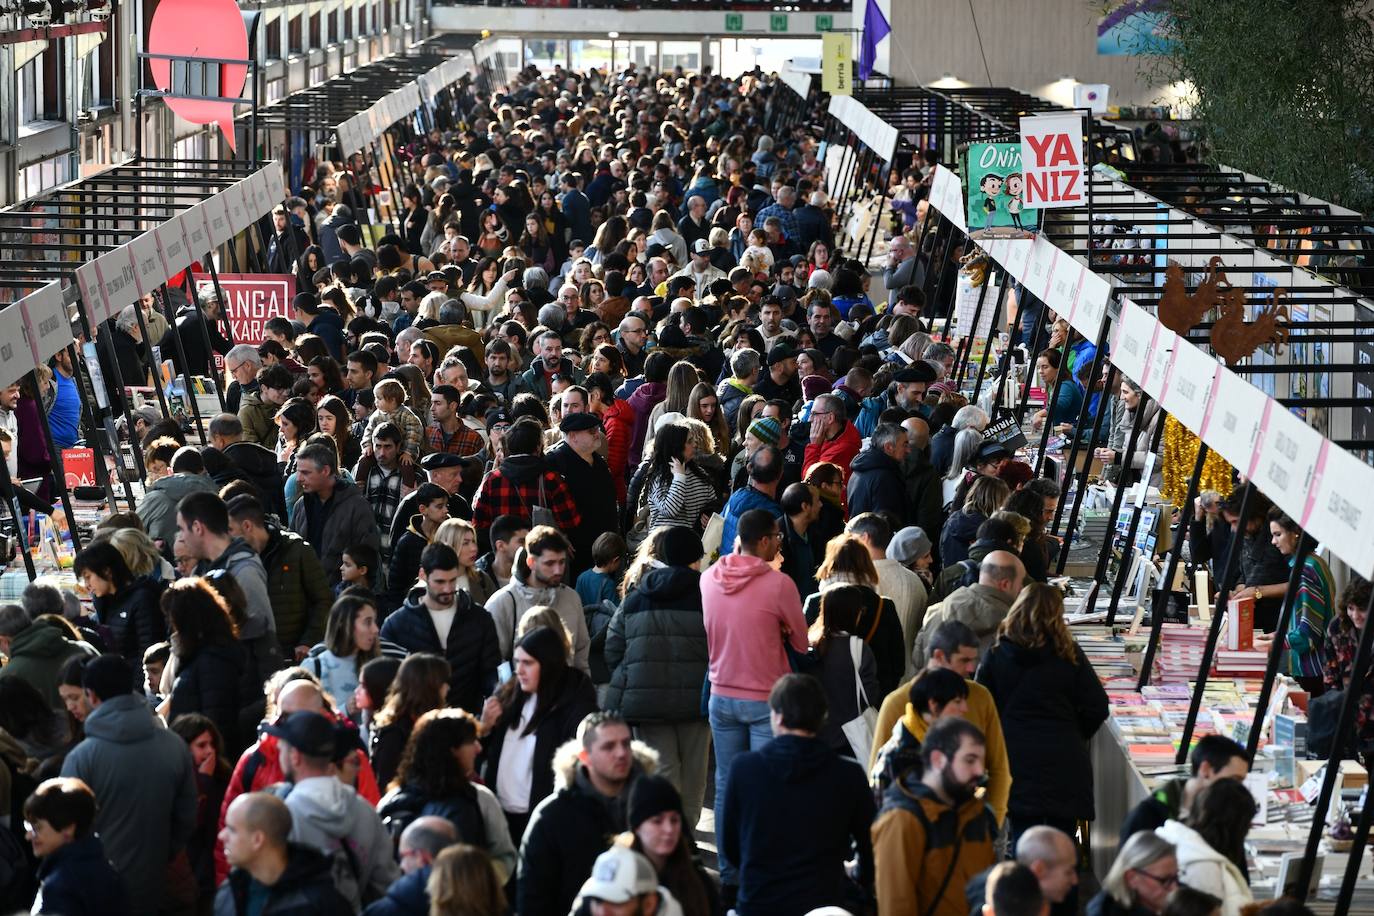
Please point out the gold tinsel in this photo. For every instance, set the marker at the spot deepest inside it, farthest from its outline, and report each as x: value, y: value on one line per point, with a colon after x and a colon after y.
x: 1180, y: 455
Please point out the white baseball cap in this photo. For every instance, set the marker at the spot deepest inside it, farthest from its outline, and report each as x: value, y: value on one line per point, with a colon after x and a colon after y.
x: 620, y: 875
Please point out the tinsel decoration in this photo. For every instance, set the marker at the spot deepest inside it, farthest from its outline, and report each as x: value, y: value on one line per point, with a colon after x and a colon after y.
x: 1179, y: 456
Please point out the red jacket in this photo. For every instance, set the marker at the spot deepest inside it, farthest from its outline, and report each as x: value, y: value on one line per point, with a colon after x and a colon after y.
x: 841, y: 450
x: 619, y: 420
x: 264, y: 758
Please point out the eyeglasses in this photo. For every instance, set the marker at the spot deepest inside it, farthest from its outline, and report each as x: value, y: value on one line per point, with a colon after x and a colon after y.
x: 1165, y: 881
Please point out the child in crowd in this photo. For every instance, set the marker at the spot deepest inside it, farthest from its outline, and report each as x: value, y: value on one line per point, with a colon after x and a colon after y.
x: 358, y: 567
x: 157, y: 459
x: 155, y: 659
x: 391, y: 408
x: 602, y: 581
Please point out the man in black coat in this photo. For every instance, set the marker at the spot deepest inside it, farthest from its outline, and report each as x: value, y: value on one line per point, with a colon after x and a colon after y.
x: 248, y: 461
x: 875, y: 482
x: 438, y: 617
x: 589, y: 482
x: 298, y: 880
x: 192, y: 325
x: 570, y: 828
x: 288, y: 243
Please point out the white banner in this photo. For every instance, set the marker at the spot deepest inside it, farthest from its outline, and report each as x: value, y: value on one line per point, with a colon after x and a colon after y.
x: 1052, y: 159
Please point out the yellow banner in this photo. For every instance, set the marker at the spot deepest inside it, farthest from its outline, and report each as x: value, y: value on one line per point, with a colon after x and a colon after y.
x: 837, y: 57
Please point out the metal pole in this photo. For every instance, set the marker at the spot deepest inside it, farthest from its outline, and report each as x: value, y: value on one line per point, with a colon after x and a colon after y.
x: 12, y: 502
x: 996, y: 317
x: 1170, y: 569
x: 1031, y: 355
x: 1227, y: 581
x: 966, y: 334
x: 1353, y: 859
x: 1052, y: 400
x: 188, y: 390
x: 1098, y: 356
x: 1345, y: 725
x: 1093, y: 439
x: 59, y: 476
x: 1119, y: 582
x: 1106, y: 550
x: 1290, y: 596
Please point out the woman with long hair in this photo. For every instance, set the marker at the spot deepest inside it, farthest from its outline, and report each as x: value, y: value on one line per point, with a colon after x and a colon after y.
x: 676, y: 491
x: 484, y: 277
x: 1051, y: 703
x: 848, y: 562
x: 129, y: 606
x: 662, y: 831
x: 528, y: 719
x: 703, y: 404
x: 463, y: 881
x: 1038, y: 549
x: 334, y: 419
x: 535, y: 245
x: 1210, y: 847
x: 210, y: 660
x: 296, y: 422
x: 984, y: 497
x: 555, y: 223
x: 1064, y: 411
x: 351, y: 640
x: 462, y: 537
x: 832, y: 656
x: 421, y: 684
x: 597, y: 334
x: 325, y: 376
x: 1312, y: 608
x: 608, y: 235
x: 493, y: 236
x: 436, y: 778
x: 212, y: 769
x: 682, y: 378
x: 309, y: 263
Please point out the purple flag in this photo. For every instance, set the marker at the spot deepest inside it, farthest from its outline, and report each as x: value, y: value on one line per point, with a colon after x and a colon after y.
x: 875, y: 30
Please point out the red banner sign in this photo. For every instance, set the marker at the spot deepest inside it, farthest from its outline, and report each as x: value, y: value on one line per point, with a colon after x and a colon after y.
x: 79, y: 466
x: 253, y: 299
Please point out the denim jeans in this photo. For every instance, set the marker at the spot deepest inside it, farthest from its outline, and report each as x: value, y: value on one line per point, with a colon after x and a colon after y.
x: 736, y: 726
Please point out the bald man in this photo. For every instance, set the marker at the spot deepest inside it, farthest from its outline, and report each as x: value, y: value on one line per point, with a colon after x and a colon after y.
x: 422, y: 840
x: 268, y: 871
x: 1052, y: 858
x: 300, y: 695
x: 983, y: 605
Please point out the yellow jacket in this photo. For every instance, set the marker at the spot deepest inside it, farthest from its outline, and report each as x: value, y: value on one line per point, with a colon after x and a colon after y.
x: 982, y: 712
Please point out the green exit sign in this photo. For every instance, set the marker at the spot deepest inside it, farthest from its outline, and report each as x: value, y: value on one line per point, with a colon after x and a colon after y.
x: 734, y: 22
x: 824, y: 22
x: 777, y: 22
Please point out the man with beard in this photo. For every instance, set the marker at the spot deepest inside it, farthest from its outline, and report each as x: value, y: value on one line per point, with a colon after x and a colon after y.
x: 538, y: 378
x: 909, y: 386
x: 538, y: 577
x: 439, y: 617
x: 933, y: 833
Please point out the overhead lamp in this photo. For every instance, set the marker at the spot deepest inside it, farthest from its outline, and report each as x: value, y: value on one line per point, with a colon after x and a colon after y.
x: 612, y: 35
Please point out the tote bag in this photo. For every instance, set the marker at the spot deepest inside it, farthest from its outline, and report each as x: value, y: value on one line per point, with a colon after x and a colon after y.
x: 859, y: 730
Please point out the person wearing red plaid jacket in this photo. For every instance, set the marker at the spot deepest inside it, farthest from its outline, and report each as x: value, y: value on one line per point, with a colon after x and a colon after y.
x: 512, y: 488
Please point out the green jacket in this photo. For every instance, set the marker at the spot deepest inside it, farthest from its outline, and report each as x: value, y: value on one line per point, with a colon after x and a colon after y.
x: 258, y: 420
x: 299, y: 590
x: 158, y: 508
x: 36, y: 655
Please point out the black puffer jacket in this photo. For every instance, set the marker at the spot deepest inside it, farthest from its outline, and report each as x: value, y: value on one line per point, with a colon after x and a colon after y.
x: 656, y: 649
x: 472, y: 650
x: 258, y: 466
x: 306, y: 888
x: 134, y: 618
x: 1049, y: 708
x: 399, y: 807
x: 211, y: 682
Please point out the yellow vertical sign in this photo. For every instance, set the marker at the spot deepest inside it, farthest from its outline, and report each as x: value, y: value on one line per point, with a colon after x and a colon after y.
x: 837, y: 57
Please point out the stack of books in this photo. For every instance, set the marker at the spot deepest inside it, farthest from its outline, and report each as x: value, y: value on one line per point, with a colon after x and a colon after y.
x: 1180, y: 653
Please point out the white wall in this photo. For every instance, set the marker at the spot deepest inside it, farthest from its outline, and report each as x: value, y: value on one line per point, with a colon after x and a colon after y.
x: 591, y: 23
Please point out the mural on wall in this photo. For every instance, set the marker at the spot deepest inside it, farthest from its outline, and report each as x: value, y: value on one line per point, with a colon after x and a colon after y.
x: 1127, y: 27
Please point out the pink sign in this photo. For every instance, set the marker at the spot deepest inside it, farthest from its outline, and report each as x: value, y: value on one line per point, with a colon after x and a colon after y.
x: 201, y: 29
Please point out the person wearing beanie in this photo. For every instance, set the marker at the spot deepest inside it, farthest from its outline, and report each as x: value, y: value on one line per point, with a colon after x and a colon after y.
x: 659, y: 832
x: 781, y: 383
x: 657, y: 654
x: 911, y: 547
x: 814, y: 385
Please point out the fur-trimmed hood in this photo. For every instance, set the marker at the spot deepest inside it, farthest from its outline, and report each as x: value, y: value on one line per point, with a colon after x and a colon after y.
x: 565, y: 762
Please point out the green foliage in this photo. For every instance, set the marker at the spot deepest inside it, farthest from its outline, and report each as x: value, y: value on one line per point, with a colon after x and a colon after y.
x: 1284, y: 90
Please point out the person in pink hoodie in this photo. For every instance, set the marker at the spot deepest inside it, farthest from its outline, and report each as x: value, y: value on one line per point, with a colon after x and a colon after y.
x: 751, y: 611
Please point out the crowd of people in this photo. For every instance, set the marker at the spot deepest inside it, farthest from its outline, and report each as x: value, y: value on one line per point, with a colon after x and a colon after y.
x: 596, y: 492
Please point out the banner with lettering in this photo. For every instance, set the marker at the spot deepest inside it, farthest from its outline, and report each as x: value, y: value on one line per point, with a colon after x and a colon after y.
x: 251, y: 301
x: 996, y: 189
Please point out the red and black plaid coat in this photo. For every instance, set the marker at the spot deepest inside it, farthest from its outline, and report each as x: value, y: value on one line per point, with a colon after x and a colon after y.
x: 499, y: 495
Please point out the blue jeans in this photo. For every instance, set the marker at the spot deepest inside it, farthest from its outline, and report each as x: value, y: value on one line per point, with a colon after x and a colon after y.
x: 736, y: 726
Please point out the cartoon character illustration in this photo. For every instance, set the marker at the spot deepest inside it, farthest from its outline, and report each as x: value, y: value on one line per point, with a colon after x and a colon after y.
x: 991, y: 186
x: 1015, y: 188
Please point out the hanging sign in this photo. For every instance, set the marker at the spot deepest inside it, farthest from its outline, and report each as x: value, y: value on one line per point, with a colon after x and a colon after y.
x: 252, y: 300
x: 837, y: 63
x: 996, y: 193
x: 1052, y: 159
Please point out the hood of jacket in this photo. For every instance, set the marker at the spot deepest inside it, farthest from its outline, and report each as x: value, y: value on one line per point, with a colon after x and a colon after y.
x: 523, y: 469
x: 669, y: 584
x: 238, y: 549
x: 980, y: 606
x: 792, y: 758
x: 568, y: 771
x: 327, y: 805
x: 962, y: 525
x: 326, y: 317
x: 176, y: 486
x: 38, y: 640
x: 875, y: 459
x: 735, y: 572
x: 125, y: 719
x: 254, y: 459
x: 140, y: 590
x: 647, y: 395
